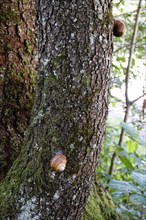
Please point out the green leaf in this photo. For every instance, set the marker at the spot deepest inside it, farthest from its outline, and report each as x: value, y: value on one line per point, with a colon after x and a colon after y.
x: 118, y: 195
x: 115, y: 66
x: 122, y: 186
x: 124, y: 157
x: 115, y: 98
x: 128, y: 214
x: 119, y: 149
x: 123, y: 59
x: 140, y: 178
x: 138, y: 199
x: 133, y: 62
x: 132, y: 133
x: 126, y: 162
x: 131, y: 146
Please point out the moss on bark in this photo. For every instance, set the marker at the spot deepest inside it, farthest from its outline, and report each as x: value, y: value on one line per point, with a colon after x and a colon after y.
x: 99, y: 205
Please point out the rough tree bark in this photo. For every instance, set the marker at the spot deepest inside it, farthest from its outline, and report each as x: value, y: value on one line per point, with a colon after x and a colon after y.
x: 17, y: 63
x: 70, y: 109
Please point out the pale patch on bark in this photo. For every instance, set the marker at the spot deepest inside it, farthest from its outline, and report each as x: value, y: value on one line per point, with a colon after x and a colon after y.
x: 28, y: 210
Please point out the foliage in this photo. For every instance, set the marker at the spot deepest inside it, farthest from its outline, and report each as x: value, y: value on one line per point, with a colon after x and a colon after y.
x: 129, y: 182
x: 131, y: 194
x: 128, y: 185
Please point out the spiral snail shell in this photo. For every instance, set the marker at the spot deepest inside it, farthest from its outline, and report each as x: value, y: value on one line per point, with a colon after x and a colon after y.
x: 119, y: 28
x: 58, y: 163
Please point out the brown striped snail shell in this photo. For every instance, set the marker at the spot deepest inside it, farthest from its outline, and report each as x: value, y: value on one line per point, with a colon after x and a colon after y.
x: 58, y: 163
x: 119, y: 28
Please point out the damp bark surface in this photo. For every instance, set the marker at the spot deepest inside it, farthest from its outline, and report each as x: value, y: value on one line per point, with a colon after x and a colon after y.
x: 17, y: 74
x: 69, y: 113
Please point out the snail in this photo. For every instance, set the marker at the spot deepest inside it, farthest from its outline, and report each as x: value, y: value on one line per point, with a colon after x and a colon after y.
x: 58, y: 162
x: 119, y: 28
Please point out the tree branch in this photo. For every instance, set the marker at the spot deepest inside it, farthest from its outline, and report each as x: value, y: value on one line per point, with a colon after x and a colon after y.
x: 135, y: 100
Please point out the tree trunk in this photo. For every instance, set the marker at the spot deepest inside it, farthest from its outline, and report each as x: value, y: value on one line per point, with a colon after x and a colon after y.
x: 70, y: 109
x: 17, y: 43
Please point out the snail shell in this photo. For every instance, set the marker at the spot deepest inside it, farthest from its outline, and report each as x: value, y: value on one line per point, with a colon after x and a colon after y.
x: 58, y: 163
x: 119, y: 28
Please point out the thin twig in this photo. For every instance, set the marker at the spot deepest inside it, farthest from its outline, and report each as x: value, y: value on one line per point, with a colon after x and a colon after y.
x: 126, y: 13
x: 135, y: 100
x: 129, y: 45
